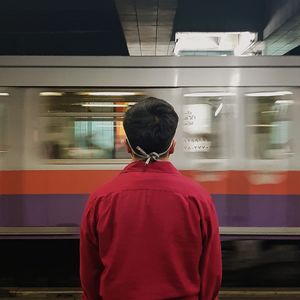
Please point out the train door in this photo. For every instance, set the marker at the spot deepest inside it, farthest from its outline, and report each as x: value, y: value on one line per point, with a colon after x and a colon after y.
x: 208, y: 138
x: 3, y: 126
x: 11, y: 158
x: 270, y: 151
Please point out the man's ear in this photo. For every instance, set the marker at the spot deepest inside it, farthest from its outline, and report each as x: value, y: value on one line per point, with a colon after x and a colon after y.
x: 172, y: 148
x: 128, y: 148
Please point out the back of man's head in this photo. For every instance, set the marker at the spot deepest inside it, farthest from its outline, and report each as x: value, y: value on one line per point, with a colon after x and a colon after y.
x: 151, y: 125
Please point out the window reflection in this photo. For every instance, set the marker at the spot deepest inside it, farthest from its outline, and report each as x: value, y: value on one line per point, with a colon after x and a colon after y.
x: 70, y: 137
x: 83, y: 125
x: 3, y: 147
x: 203, y: 123
x: 269, y: 124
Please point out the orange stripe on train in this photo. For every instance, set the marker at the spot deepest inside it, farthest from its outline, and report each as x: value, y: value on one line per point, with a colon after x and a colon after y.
x: 85, y: 181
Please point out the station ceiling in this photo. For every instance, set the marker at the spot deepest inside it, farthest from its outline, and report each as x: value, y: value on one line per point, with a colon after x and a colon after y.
x: 140, y: 27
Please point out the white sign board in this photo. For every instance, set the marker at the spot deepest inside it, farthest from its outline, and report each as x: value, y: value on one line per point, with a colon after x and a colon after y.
x: 197, y: 119
x: 196, y: 145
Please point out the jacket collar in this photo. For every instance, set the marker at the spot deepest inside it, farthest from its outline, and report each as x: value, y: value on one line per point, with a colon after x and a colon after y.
x: 153, y: 167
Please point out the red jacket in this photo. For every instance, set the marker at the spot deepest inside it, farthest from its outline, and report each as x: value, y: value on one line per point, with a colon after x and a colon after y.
x: 150, y: 234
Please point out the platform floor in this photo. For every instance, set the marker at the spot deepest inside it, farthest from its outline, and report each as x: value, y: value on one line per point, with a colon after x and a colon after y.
x: 74, y: 294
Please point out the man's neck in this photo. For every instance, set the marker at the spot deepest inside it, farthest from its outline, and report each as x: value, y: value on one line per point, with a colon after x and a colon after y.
x: 165, y: 158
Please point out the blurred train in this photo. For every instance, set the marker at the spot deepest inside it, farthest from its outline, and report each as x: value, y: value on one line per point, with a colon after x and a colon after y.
x: 61, y: 136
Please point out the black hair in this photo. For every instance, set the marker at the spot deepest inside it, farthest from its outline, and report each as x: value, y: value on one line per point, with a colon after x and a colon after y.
x: 151, y: 125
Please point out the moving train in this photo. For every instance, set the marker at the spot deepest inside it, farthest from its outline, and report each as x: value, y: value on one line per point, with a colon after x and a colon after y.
x: 61, y: 136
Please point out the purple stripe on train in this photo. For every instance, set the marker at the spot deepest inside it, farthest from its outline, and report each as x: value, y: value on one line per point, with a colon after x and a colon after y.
x: 41, y: 210
x: 233, y: 210
x: 258, y: 210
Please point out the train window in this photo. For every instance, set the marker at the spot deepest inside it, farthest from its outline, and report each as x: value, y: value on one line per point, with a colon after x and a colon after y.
x: 85, y: 125
x: 269, y: 119
x: 203, y: 117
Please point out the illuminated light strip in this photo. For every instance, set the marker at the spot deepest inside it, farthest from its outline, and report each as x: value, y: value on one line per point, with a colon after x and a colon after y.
x: 107, y: 93
x: 4, y: 94
x: 210, y: 94
x: 269, y: 94
x: 55, y: 94
x: 263, y: 125
x: 270, y: 111
x: 97, y: 104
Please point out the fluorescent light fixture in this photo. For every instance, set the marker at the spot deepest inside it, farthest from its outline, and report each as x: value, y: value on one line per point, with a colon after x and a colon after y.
x: 269, y: 94
x: 203, y: 43
x: 4, y: 94
x: 218, y: 109
x: 209, y: 94
x: 284, y: 101
x: 270, y: 111
x: 245, y: 41
x: 263, y: 125
x: 55, y: 94
x: 99, y: 104
x: 107, y: 93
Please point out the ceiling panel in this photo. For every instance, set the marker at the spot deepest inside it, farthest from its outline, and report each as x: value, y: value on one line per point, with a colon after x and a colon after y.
x: 154, y: 22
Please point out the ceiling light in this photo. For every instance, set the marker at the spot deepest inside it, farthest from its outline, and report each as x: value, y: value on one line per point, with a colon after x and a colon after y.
x: 107, y: 93
x: 218, y: 109
x: 4, y: 94
x: 270, y: 112
x: 209, y: 94
x: 246, y: 40
x: 263, y: 125
x: 269, y: 94
x: 99, y: 104
x: 55, y: 94
x: 284, y: 101
x: 204, y: 43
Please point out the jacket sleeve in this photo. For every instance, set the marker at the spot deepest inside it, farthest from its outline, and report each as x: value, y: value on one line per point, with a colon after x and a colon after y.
x: 210, y: 266
x: 90, y: 264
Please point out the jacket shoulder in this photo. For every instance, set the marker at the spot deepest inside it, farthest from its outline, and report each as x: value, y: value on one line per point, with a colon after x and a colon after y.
x: 106, y: 188
x: 193, y: 186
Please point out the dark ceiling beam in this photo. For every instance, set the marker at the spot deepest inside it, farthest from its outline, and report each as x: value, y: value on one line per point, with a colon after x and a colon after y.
x: 48, y: 5
x: 61, y: 27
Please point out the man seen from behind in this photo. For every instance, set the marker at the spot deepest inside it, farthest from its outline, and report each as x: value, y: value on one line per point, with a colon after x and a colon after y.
x: 150, y: 233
